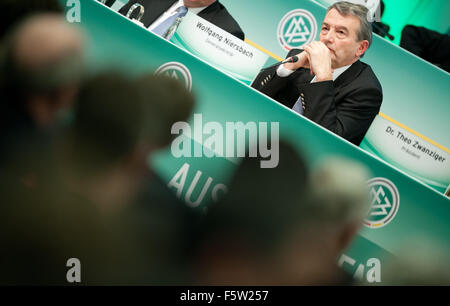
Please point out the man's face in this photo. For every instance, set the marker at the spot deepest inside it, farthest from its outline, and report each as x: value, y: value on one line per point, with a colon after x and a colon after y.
x: 198, y: 3
x: 339, y: 34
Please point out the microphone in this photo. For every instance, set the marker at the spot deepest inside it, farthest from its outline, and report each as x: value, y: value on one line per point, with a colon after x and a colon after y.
x: 292, y: 59
x: 382, y: 31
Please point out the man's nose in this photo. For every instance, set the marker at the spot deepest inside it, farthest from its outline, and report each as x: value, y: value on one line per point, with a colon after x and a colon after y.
x: 329, y: 37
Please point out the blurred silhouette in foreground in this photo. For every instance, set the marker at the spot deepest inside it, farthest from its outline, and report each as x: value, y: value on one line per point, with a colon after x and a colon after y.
x: 95, y: 199
x: 42, y: 65
x: 84, y: 176
x: 165, y: 222
x: 282, y: 226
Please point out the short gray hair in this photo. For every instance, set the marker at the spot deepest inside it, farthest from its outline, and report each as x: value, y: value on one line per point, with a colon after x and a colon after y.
x: 359, y: 11
x: 340, y: 191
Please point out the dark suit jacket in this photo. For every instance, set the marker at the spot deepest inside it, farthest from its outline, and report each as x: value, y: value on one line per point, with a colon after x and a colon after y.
x: 216, y: 13
x: 346, y: 106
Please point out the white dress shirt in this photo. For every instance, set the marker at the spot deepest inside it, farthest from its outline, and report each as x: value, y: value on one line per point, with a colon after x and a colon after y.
x: 172, y: 10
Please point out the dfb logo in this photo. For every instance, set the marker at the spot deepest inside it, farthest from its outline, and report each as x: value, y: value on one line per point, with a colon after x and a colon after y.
x: 385, y: 201
x: 296, y: 28
x: 176, y: 71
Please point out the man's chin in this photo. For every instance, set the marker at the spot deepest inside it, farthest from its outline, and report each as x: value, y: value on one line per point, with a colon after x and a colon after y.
x: 332, y: 56
x: 193, y: 3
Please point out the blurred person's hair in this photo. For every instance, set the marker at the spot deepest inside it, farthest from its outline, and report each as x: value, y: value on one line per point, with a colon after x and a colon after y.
x: 284, y: 224
x: 33, y: 63
x: 339, y: 203
x: 13, y: 11
x: 108, y: 121
x: 166, y: 101
x: 42, y: 64
x: 340, y: 192
x: 95, y: 161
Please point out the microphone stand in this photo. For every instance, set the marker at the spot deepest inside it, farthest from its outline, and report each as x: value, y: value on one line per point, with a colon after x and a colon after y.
x: 383, y: 31
x: 140, y: 14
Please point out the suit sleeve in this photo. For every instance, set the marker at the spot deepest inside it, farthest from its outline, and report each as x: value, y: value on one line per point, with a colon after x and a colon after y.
x: 351, y: 118
x: 268, y: 82
x: 239, y: 34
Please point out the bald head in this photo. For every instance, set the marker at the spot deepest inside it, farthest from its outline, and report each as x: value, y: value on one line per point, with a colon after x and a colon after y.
x: 45, y: 39
x: 44, y: 65
x: 340, y: 188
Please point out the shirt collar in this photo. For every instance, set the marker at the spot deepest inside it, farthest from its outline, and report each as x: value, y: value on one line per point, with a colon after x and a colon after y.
x: 338, y: 71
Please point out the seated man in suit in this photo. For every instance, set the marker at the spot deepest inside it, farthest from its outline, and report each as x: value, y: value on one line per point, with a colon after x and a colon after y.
x: 156, y: 11
x: 329, y: 84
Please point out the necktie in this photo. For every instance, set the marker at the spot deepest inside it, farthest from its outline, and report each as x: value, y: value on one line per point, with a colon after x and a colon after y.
x: 298, y: 106
x: 162, y: 28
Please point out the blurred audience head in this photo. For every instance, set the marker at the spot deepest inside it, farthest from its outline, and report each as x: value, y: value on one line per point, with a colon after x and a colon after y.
x: 166, y: 101
x: 118, y: 122
x: 94, y: 178
x: 340, y: 199
x: 243, y: 234
x: 100, y: 156
x: 283, y: 226
x: 42, y: 64
x: 108, y: 118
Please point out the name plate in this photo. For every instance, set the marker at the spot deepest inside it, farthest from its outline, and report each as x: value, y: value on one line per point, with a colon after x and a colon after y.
x: 408, y: 152
x: 219, y: 48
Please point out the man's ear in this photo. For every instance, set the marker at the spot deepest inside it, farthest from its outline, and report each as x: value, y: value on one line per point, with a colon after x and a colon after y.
x: 363, y: 46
